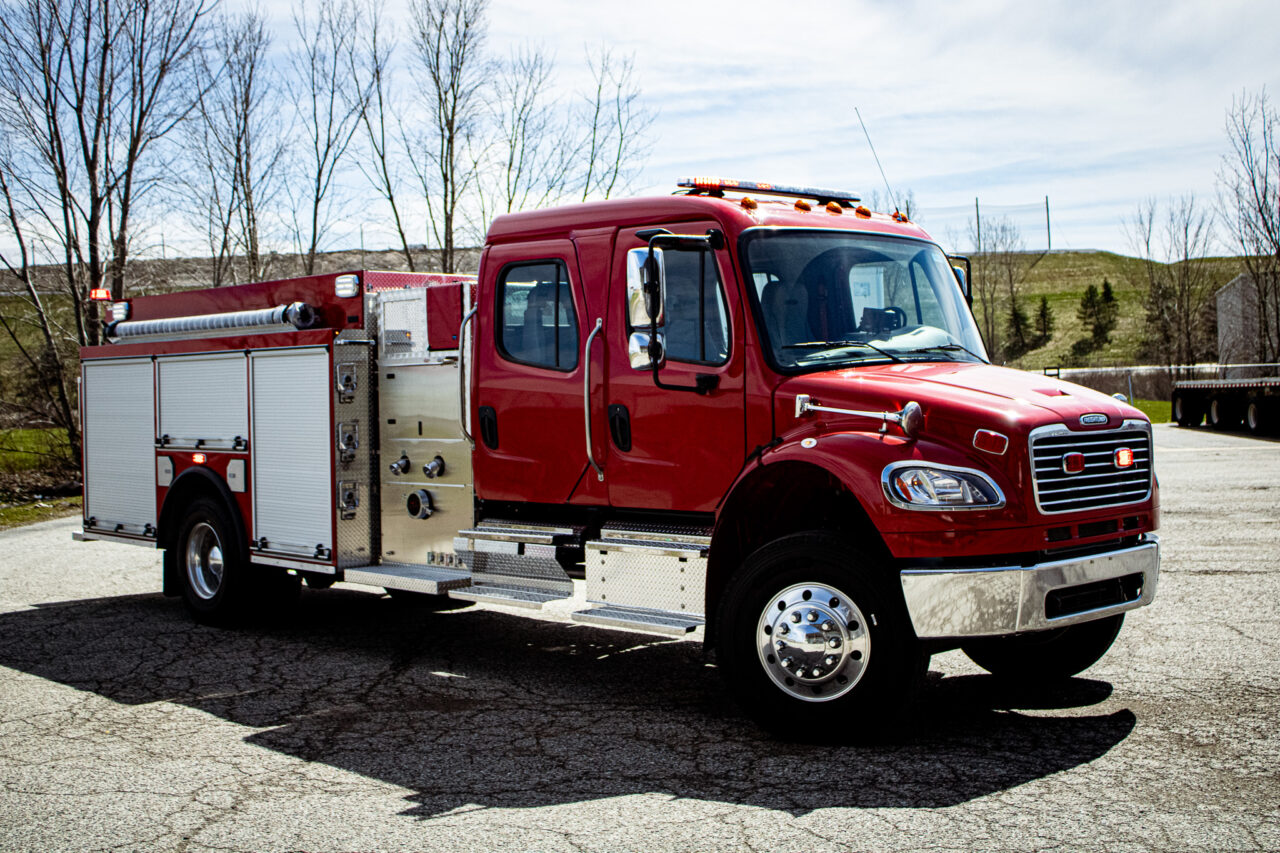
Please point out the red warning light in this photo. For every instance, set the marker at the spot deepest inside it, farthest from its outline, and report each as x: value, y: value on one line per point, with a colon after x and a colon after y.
x: 1073, y: 463
x: 1124, y: 457
x: 199, y: 458
x: 100, y: 294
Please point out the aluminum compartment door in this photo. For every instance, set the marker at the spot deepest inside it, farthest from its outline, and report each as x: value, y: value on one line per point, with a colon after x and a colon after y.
x: 205, y: 399
x: 119, y: 444
x: 291, y: 451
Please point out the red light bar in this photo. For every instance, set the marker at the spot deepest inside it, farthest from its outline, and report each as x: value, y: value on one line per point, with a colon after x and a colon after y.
x: 100, y: 294
x: 719, y: 185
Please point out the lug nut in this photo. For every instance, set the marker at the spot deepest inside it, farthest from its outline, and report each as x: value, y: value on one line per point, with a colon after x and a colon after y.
x: 830, y: 660
x: 784, y: 628
x: 786, y: 663
x: 795, y: 617
x: 834, y: 642
x: 828, y: 625
x: 815, y: 673
x: 812, y: 616
x: 781, y: 644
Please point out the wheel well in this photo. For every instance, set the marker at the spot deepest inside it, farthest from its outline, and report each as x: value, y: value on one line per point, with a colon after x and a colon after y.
x: 191, y: 484
x: 774, y: 501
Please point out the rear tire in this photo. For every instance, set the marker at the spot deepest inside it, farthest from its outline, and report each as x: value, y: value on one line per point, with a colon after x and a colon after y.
x: 1043, y: 656
x: 1256, y: 418
x: 1186, y: 412
x: 1223, y: 414
x: 211, y: 564
x: 815, y: 643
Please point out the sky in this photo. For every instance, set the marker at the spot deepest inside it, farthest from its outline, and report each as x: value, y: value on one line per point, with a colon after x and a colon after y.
x: 1096, y: 105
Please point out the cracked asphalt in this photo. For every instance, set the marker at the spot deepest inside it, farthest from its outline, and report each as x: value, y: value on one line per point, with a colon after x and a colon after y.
x: 362, y: 725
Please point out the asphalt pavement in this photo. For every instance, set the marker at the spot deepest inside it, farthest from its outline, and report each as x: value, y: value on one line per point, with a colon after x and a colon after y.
x: 363, y: 725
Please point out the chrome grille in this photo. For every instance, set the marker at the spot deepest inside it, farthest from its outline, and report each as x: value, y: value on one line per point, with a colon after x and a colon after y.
x: 1100, y: 484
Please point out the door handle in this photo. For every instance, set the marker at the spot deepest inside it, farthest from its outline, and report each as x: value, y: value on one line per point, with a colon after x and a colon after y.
x: 586, y: 395
x: 462, y: 377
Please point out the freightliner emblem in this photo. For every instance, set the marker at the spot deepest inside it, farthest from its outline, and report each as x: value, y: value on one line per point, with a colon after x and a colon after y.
x: 1093, y: 419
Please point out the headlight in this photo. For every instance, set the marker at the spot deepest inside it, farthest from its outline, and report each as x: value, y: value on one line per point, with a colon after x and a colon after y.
x: 915, y: 485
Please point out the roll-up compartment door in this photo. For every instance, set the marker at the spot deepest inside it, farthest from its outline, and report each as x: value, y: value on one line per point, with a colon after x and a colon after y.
x: 119, y: 445
x: 290, y: 449
x: 204, y: 400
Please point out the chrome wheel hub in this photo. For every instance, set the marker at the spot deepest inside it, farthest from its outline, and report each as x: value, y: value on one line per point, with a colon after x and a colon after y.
x: 813, y: 642
x: 204, y: 561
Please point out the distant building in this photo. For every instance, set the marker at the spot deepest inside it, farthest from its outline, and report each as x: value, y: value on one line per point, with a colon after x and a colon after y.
x: 1238, y: 309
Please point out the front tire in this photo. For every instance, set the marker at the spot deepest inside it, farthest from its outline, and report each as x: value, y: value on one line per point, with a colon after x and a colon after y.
x: 813, y: 642
x: 1052, y: 655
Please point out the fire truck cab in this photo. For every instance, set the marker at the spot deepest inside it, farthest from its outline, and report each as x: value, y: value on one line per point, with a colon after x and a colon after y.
x: 762, y: 413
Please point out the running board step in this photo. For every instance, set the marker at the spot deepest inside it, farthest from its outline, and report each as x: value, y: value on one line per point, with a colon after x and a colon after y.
x: 640, y: 619
x: 432, y: 580
x: 512, y: 596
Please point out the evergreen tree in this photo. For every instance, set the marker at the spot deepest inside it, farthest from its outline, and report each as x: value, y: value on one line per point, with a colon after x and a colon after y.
x: 1044, y: 322
x: 1108, y: 311
x: 1018, y: 327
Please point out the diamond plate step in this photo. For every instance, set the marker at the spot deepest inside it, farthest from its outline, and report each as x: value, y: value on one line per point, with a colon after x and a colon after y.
x: 636, y: 618
x: 512, y: 596
x: 433, y: 580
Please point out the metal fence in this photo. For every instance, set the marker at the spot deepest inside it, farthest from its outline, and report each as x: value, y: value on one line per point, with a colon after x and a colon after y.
x: 1155, y: 382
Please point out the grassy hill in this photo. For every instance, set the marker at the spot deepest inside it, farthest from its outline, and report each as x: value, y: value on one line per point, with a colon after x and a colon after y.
x: 1062, y: 277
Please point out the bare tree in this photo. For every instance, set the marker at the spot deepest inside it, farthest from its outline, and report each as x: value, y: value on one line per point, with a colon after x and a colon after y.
x: 616, y: 125
x: 47, y: 365
x: 370, y: 65
x: 1249, y: 180
x: 236, y: 148
x: 448, y: 38
x: 1180, y: 288
x: 88, y: 89
x: 531, y: 160
x: 329, y: 103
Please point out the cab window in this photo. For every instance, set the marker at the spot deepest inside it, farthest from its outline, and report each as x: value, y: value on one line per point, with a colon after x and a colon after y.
x: 696, y: 327
x: 537, y: 324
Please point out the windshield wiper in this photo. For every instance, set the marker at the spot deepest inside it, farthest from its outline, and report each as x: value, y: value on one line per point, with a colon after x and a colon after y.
x: 840, y: 345
x: 946, y: 348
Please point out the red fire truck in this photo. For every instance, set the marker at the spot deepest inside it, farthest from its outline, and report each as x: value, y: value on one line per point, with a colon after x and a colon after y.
x: 760, y: 412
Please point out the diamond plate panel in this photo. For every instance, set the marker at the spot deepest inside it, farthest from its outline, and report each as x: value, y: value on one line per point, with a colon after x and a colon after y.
x: 357, y: 529
x: 657, y: 578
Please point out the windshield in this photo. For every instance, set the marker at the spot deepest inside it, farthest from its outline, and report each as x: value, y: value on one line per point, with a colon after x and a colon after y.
x: 835, y: 297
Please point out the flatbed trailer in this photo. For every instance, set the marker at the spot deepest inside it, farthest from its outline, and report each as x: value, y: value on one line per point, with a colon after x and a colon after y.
x: 1226, y: 403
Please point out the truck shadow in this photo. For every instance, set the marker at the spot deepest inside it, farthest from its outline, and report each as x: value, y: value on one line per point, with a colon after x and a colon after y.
x: 477, y: 709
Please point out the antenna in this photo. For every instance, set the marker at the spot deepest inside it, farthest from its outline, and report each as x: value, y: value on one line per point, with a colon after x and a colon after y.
x: 873, y: 154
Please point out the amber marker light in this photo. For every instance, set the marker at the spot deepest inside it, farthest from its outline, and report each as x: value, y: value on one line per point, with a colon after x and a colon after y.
x: 749, y: 203
x: 803, y: 206
x: 991, y: 442
x: 834, y: 207
x: 862, y: 212
x: 1124, y: 457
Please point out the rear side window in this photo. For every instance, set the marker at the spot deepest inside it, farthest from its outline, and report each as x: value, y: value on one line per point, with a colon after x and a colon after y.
x: 537, y: 323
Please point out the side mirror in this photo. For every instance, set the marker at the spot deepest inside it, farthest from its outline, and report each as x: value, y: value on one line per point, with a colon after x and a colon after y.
x: 644, y: 352
x: 964, y: 275
x: 646, y: 286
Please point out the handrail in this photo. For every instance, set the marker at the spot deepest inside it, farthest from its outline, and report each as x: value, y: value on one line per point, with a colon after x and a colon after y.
x: 462, y: 376
x: 586, y: 395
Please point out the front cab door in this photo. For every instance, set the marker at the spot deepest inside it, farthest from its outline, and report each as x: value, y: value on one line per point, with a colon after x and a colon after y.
x: 670, y: 449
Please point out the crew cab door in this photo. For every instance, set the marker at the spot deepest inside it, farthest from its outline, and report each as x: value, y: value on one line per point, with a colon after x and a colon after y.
x: 676, y: 449
x: 526, y: 401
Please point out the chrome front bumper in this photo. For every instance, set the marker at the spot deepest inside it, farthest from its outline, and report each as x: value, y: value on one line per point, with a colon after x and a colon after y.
x: 1012, y: 599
